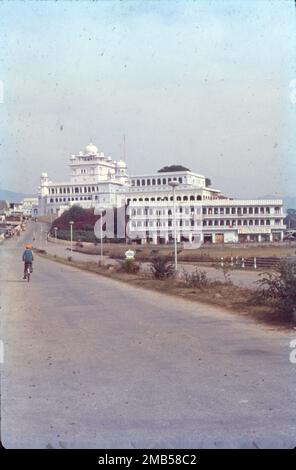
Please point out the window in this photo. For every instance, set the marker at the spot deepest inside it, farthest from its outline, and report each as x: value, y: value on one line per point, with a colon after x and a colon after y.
x: 143, y: 182
x: 163, y: 180
x: 221, y: 210
x: 262, y: 222
x: 148, y: 182
x: 158, y: 181
x: 138, y: 182
x: 180, y: 179
x: 153, y: 181
x: 233, y: 210
x: 227, y: 210
x: 245, y: 222
x: 216, y: 210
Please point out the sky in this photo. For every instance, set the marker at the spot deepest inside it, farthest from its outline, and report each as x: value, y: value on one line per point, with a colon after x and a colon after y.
x: 208, y: 84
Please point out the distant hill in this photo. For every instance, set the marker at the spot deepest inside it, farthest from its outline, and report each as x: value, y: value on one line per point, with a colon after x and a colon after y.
x: 12, y: 196
x: 289, y: 201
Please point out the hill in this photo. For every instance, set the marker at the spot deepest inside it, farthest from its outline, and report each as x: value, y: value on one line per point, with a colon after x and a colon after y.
x: 12, y: 196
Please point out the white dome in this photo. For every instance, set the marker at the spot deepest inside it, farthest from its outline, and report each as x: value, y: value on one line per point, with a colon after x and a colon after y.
x: 91, y: 149
x: 121, y: 164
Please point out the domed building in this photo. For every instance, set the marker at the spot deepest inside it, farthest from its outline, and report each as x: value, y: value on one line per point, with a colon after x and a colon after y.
x: 91, y: 149
x: 94, y: 180
x: 203, y: 213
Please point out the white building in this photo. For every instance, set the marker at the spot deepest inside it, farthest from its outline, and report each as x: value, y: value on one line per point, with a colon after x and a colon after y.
x: 202, y: 213
x: 94, y: 180
x: 29, y: 206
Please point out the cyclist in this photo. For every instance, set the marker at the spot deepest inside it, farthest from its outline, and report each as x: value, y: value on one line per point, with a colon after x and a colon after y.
x: 28, y: 259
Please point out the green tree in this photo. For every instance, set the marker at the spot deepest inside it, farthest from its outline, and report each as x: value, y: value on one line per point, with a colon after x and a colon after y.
x: 166, y: 169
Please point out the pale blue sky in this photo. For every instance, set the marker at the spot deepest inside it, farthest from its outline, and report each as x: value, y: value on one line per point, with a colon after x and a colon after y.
x: 203, y: 83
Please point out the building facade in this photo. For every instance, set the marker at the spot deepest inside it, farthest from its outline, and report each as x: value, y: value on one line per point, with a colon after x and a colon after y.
x: 202, y: 213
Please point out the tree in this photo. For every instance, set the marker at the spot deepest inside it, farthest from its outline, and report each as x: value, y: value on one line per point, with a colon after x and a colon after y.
x: 290, y: 219
x: 279, y: 288
x: 166, y: 169
x: 208, y: 182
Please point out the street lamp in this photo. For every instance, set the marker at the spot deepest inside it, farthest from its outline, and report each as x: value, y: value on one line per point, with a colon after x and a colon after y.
x: 71, y: 235
x: 101, y: 236
x: 174, y: 184
x: 55, y: 232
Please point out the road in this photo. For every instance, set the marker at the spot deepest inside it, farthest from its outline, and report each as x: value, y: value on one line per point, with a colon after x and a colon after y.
x: 238, y: 277
x: 90, y: 362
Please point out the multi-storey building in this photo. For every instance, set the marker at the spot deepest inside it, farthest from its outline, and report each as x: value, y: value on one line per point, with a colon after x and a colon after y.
x: 201, y: 212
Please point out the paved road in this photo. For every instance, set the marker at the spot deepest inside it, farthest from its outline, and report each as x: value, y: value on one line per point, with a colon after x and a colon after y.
x: 91, y: 362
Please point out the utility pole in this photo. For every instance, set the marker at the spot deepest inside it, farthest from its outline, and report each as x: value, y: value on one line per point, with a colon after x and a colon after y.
x: 174, y: 184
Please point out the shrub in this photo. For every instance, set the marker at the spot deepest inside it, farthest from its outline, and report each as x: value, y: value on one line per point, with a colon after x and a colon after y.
x: 162, y: 267
x: 279, y: 288
x: 196, y: 279
x: 227, y: 275
x: 129, y: 266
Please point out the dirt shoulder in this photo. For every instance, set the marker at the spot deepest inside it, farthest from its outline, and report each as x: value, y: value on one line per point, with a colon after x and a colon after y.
x: 235, y: 299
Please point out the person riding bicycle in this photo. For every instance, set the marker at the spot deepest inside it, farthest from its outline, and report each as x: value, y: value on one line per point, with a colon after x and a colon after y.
x: 28, y: 259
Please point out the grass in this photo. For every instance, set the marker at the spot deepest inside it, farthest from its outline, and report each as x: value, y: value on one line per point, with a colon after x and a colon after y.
x: 212, y: 252
x: 228, y: 296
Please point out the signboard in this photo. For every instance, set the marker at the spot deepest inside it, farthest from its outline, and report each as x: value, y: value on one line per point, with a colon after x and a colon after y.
x: 256, y: 229
x: 230, y: 237
x: 130, y: 254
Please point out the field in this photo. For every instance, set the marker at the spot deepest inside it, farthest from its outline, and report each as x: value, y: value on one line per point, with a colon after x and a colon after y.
x: 206, y: 252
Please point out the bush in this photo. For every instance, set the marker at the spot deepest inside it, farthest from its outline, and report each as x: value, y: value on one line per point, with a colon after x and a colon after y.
x: 196, y: 279
x: 129, y: 266
x: 162, y: 267
x: 227, y: 275
x: 279, y: 288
